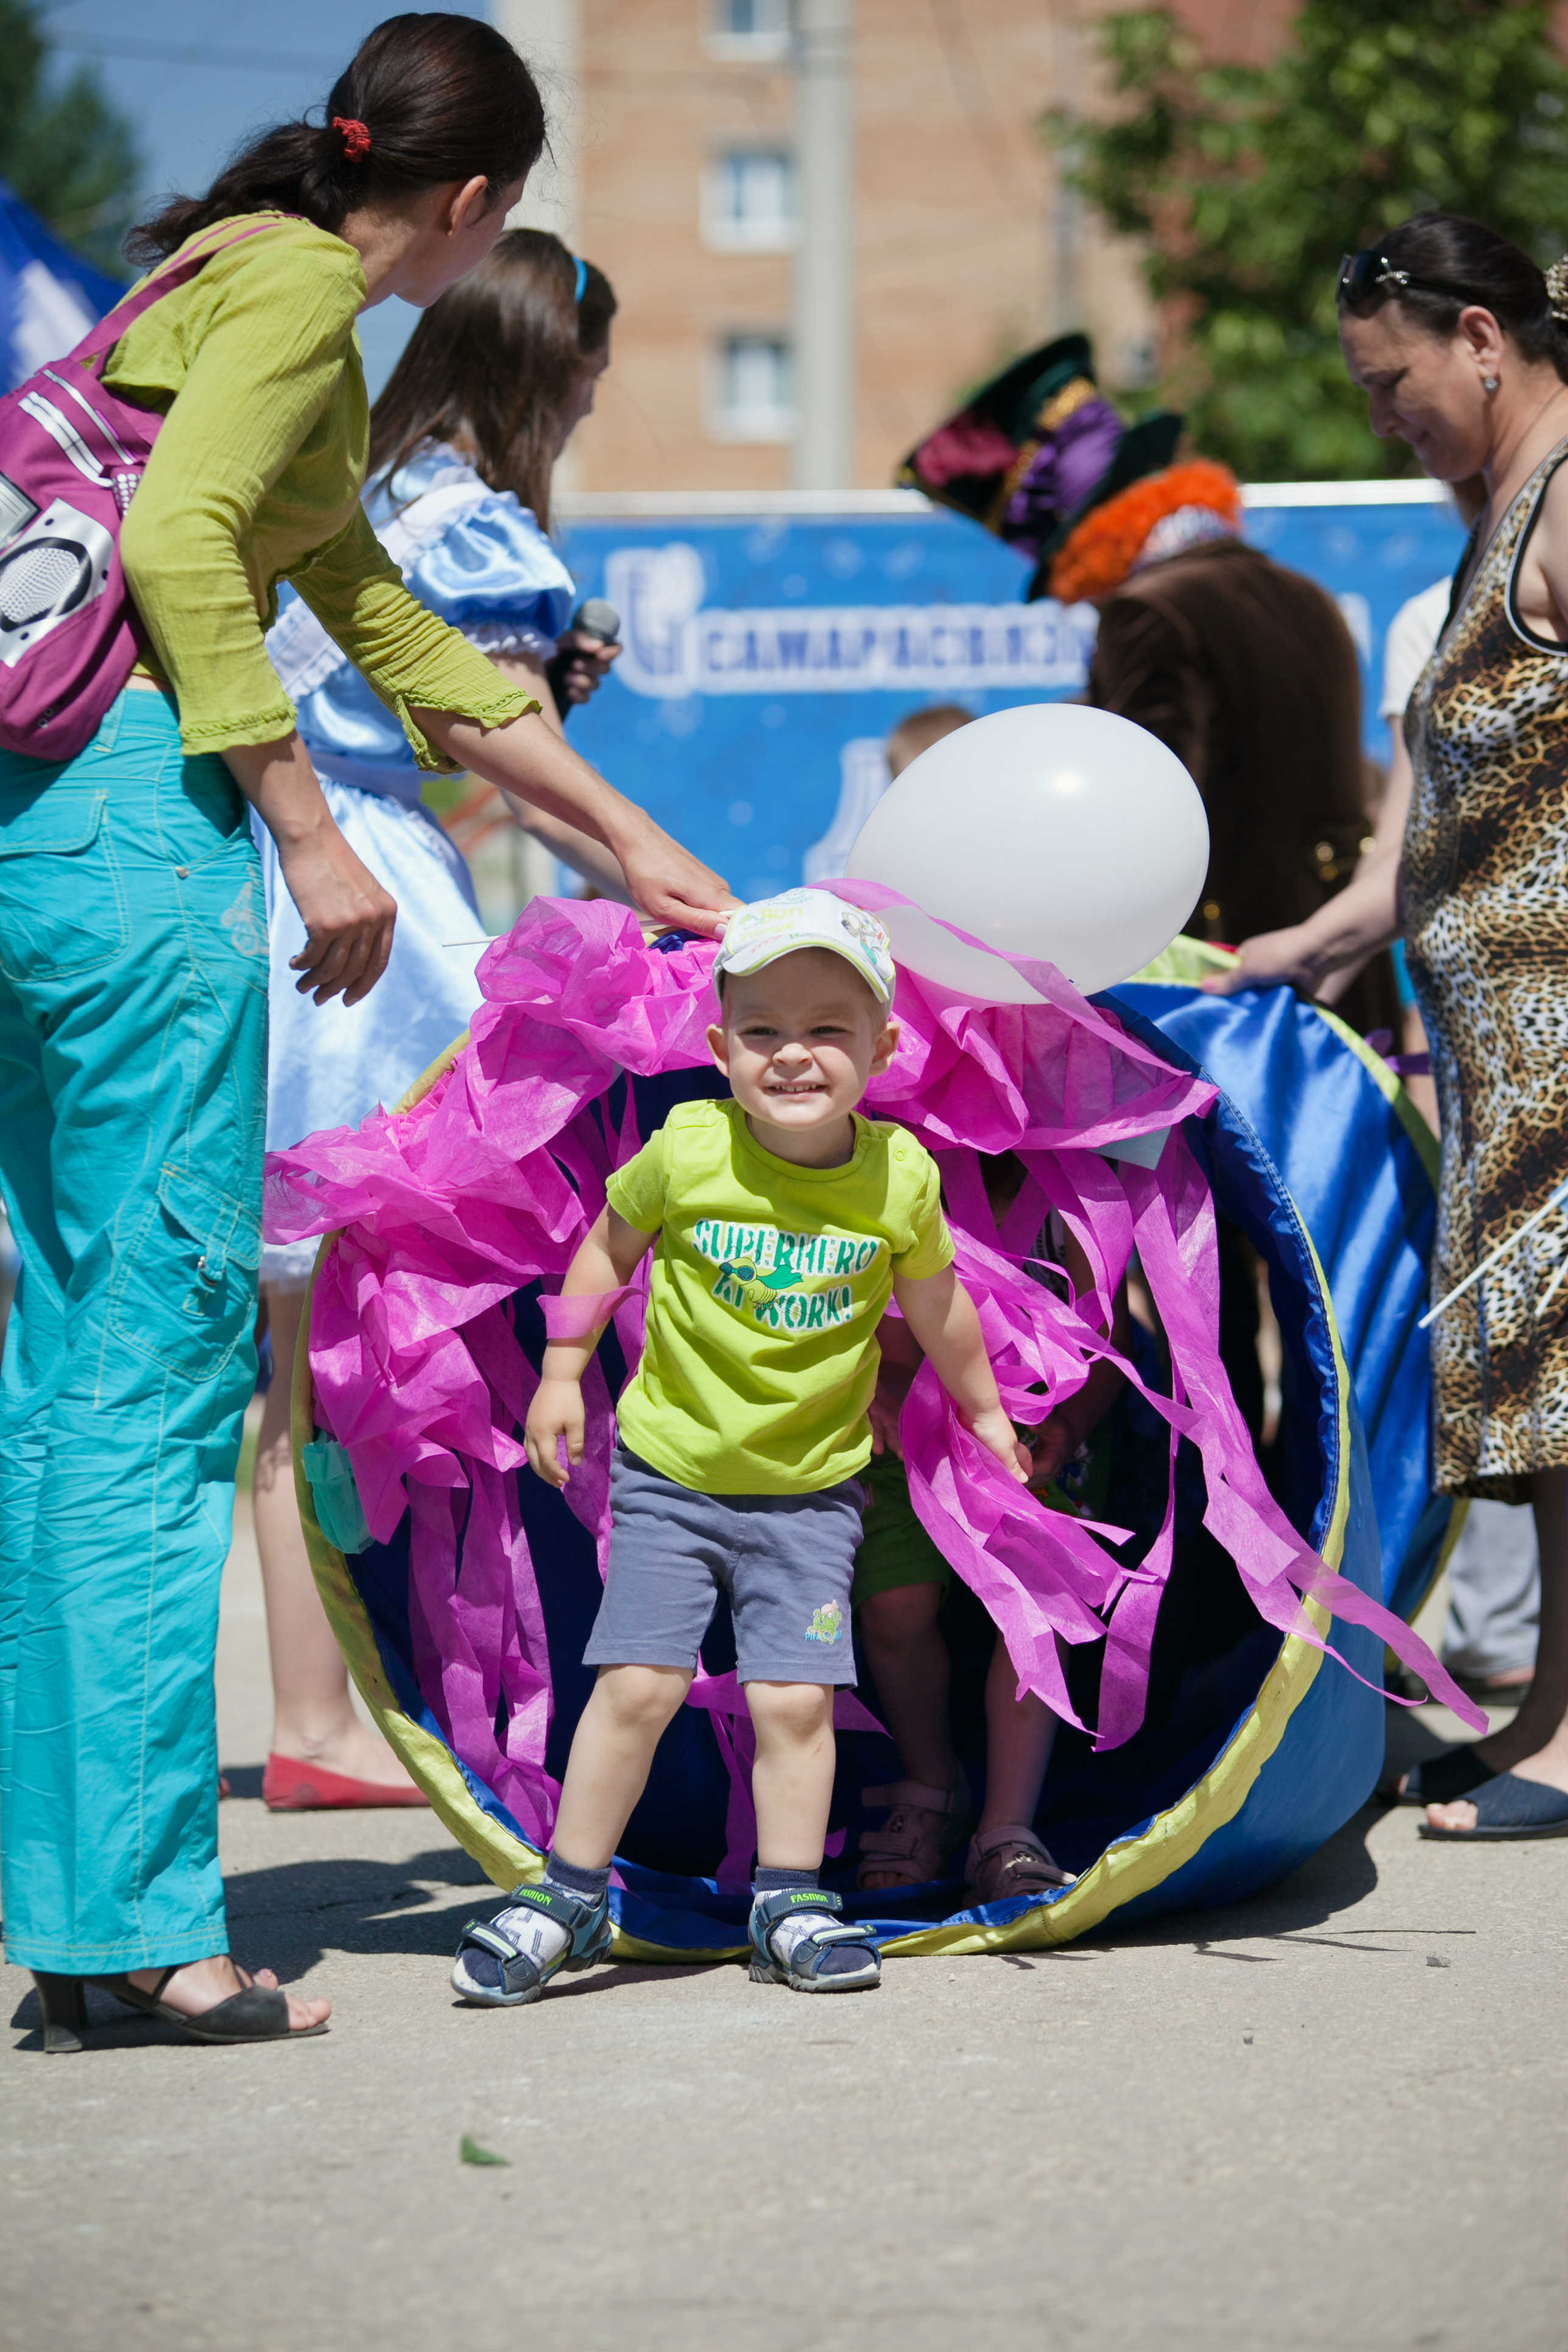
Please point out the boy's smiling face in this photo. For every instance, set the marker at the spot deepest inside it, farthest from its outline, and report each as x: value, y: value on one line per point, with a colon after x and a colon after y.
x: 799, y: 1040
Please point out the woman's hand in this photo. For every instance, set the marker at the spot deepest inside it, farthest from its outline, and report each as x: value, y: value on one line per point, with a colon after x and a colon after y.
x: 669, y: 884
x: 348, y: 917
x: 581, y: 664
x: 1272, y: 960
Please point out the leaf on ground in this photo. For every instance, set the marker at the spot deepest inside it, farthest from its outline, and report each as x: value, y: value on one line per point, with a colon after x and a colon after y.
x: 471, y: 2152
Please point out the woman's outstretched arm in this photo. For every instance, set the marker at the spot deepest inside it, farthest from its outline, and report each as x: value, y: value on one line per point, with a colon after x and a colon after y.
x: 569, y: 843
x: 532, y: 763
x: 1322, y: 956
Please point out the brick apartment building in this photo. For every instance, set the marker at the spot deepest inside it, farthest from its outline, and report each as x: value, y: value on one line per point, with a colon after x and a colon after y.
x: 674, y: 170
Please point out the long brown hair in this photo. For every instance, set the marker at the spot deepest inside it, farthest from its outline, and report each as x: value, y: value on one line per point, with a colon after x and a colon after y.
x: 491, y: 367
x: 443, y: 98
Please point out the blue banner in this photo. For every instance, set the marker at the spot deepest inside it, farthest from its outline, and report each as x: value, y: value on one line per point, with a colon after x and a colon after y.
x: 768, y: 654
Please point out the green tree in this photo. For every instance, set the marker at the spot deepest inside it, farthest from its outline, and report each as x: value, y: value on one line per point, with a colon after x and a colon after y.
x: 1246, y: 184
x: 63, y: 147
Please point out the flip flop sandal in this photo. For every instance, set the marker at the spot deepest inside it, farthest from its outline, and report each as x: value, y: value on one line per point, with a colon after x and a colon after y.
x: 289, y: 1786
x: 1507, y: 1806
x: 923, y: 1831
x: 257, y: 2013
x: 492, y: 1970
x: 802, y: 1968
x: 1009, y: 1861
x: 1439, y: 1780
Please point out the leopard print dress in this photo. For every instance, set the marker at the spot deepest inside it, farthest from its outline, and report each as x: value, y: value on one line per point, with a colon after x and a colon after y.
x: 1485, y: 878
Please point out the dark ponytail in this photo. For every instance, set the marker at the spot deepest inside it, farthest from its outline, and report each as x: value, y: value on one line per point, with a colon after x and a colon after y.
x: 1454, y: 262
x: 442, y: 98
x: 490, y: 366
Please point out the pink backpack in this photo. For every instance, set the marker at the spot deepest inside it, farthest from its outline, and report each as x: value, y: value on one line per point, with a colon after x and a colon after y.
x: 72, y: 455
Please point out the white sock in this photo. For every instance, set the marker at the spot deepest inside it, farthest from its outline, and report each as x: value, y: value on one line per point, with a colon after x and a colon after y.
x: 786, y: 1933
x: 534, y: 1932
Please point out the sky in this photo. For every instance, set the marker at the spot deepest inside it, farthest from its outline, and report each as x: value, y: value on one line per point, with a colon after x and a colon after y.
x: 195, y: 77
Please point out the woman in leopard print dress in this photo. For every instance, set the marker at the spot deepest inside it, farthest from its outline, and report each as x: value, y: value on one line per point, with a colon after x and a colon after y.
x: 1461, y: 345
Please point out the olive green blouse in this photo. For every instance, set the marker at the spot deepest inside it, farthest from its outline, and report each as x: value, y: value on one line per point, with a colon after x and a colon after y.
x: 256, y: 478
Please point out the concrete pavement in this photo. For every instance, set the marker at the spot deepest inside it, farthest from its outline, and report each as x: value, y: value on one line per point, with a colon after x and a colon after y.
x: 1328, y: 2120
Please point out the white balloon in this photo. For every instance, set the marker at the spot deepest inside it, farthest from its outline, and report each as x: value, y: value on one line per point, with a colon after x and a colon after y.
x: 1052, y: 831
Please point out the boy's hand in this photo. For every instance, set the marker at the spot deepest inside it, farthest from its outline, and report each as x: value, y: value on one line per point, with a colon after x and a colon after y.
x: 887, y: 1404
x: 1054, y: 1444
x: 996, y: 1434
x: 556, y: 1413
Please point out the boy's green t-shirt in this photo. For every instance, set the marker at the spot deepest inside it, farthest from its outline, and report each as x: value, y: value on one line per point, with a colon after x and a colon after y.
x: 768, y: 1284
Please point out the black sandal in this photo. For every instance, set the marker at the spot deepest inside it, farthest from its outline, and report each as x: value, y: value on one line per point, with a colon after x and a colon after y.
x: 255, y: 2013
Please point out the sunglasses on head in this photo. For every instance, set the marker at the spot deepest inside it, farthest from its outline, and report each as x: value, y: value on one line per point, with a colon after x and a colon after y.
x: 1363, y: 275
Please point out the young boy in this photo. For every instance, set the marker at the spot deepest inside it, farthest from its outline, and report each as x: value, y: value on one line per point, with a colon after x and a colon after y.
x: 783, y: 1221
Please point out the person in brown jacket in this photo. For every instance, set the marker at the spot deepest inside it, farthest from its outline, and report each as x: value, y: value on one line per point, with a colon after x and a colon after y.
x: 1245, y: 670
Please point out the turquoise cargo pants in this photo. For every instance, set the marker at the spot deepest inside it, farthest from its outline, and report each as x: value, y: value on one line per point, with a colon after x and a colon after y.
x: 133, y: 1076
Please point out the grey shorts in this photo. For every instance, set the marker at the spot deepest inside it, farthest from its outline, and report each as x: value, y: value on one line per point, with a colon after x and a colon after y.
x: 786, y: 1562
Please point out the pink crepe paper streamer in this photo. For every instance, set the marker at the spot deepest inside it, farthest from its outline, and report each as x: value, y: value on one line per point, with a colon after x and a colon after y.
x: 575, y: 1317
x: 489, y: 1183
x: 724, y: 1699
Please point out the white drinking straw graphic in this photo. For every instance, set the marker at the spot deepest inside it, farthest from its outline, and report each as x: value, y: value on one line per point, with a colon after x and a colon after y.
x: 1503, y: 1249
x: 1552, y: 1289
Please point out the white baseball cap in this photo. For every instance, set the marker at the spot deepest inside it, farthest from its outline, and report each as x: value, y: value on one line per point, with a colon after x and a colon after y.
x: 758, y: 935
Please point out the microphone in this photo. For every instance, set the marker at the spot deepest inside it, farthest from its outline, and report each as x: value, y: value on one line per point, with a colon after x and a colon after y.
x: 596, y: 618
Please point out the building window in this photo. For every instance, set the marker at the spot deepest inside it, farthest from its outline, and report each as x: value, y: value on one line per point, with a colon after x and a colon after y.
x: 755, y: 391
x: 748, y: 29
x: 749, y: 201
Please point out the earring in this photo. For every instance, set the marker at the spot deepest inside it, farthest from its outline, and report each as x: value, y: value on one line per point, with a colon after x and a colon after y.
x: 1490, y: 384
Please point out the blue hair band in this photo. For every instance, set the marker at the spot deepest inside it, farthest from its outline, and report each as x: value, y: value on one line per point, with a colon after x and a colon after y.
x: 582, y: 277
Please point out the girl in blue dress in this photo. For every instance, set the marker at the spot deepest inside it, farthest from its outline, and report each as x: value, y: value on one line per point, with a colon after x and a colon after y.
x: 493, y: 382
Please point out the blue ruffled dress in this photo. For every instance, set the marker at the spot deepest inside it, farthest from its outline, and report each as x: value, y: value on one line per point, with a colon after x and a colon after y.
x: 477, y: 557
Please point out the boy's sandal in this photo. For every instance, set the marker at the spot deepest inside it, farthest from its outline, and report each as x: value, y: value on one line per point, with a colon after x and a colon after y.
x: 803, y: 1969
x: 923, y: 1831
x: 1507, y: 1806
x: 492, y: 1971
x: 255, y: 2013
x: 1009, y: 1861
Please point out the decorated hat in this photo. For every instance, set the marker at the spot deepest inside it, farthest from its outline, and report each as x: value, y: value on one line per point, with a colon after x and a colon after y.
x: 758, y: 935
x: 1037, y: 450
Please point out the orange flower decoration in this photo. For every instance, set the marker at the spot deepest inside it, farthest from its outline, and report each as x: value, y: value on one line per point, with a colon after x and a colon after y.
x: 1101, y: 550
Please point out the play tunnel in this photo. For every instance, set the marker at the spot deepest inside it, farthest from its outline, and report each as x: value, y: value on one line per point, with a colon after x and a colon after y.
x: 1212, y: 1742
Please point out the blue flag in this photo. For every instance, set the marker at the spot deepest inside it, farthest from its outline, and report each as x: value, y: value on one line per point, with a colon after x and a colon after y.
x: 48, y: 296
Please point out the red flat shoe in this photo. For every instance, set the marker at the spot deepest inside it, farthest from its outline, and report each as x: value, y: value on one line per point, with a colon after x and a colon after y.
x: 289, y: 1786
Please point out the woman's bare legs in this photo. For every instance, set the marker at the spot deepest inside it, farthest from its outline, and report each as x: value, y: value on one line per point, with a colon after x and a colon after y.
x: 313, y: 1716
x: 1535, y: 1744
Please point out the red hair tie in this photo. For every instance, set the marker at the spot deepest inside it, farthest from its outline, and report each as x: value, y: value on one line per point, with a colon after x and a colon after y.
x: 356, y: 136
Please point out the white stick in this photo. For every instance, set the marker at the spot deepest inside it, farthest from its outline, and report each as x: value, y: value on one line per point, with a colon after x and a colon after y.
x: 1492, y: 1257
x: 471, y: 943
x: 1552, y: 1289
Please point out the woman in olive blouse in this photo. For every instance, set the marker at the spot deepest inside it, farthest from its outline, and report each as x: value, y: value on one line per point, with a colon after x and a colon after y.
x: 132, y: 992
